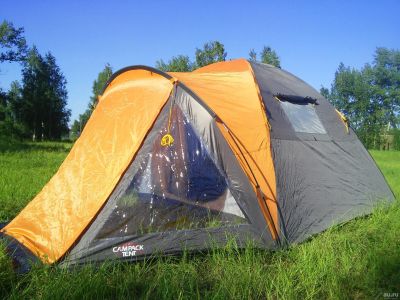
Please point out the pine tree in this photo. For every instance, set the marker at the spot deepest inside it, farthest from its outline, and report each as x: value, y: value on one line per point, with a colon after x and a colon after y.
x: 43, y: 109
x: 212, y: 52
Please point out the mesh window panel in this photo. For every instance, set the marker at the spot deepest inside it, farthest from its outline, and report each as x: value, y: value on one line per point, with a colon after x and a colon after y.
x: 303, y: 117
x: 175, y: 187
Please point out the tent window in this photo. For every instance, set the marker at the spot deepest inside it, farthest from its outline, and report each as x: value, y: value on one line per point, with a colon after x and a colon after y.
x: 175, y: 187
x: 303, y: 117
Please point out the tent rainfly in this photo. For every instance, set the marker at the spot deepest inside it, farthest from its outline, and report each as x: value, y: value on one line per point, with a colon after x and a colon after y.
x: 171, y: 161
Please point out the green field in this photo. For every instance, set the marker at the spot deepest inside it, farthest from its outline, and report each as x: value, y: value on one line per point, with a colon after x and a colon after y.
x: 358, y: 260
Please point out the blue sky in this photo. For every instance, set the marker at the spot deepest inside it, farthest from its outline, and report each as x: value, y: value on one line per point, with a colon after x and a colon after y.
x: 311, y: 37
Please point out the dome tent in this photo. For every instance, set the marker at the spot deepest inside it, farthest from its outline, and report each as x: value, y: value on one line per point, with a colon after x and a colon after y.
x: 173, y: 161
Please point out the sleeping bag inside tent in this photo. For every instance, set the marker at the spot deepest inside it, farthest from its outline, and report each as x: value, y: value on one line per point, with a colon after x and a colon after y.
x: 186, y: 161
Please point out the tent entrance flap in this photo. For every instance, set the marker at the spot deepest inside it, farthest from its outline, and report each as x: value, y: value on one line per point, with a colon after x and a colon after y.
x: 188, y: 185
x: 173, y: 187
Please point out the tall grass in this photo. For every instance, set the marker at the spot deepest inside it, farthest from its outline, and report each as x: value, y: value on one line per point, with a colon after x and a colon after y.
x: 24, y: 170
x: 389, y: 163
x: 358, y: 260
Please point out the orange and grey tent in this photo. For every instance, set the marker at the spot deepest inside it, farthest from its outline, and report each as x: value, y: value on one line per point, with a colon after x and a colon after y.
x: 173, y: 161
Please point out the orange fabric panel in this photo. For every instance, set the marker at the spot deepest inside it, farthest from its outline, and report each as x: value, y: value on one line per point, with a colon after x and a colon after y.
x: 59, y: 214
x: 237, y: 65
x: 234, y: 97
x: 131, y: 75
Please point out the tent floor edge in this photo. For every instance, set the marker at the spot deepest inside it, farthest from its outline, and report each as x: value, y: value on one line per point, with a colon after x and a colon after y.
x: 22, y: 258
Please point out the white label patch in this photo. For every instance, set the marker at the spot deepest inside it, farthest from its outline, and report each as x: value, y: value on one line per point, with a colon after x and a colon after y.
x: 128, y: 249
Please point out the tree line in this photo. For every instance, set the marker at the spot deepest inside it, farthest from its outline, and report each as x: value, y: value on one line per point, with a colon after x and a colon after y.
x: 213, y: 51
x: 370, y: 98
x: 36, y: 107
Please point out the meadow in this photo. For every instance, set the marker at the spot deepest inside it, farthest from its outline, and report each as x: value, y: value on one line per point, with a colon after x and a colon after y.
x: 358, y: 260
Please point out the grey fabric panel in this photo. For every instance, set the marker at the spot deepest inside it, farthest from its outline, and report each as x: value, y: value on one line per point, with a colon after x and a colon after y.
x: 239, y: 186
x: 322, y: 179
x: 170, y: 242
x: 273, y: 81
x: 324, y: 183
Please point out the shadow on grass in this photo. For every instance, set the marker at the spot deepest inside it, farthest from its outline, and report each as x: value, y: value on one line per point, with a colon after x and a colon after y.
x: 23, y: 146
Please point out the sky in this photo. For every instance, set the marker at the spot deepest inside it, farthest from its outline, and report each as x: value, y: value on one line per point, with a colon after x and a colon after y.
x: 310, y: 37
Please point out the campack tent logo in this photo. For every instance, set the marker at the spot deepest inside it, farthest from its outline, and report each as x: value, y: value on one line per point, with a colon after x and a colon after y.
x: 128, y: 249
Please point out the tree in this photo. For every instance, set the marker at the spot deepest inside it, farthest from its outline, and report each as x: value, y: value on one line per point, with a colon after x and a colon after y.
x: 32, y: 108
x: 385, y: 78
x: 79, y: 124
x: 396, y: 139
x: 212, y: 52
x: 351, y: 93
x: 253, y: 55
x: 12, y: 43
x: 369, y: 97
x: 56, y: 122
x: 269, y: 56
x: 4, y: 115
x: 43, y: 109
x: 180, y: 63
x: 324, y: 92
x: 10, y: 126
x: 15, y: 102
x: 97, y: 88
x: 98, y: 85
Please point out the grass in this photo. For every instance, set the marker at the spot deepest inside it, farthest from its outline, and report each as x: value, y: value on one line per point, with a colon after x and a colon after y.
x: 24, y: 170
x: 358, y: 260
